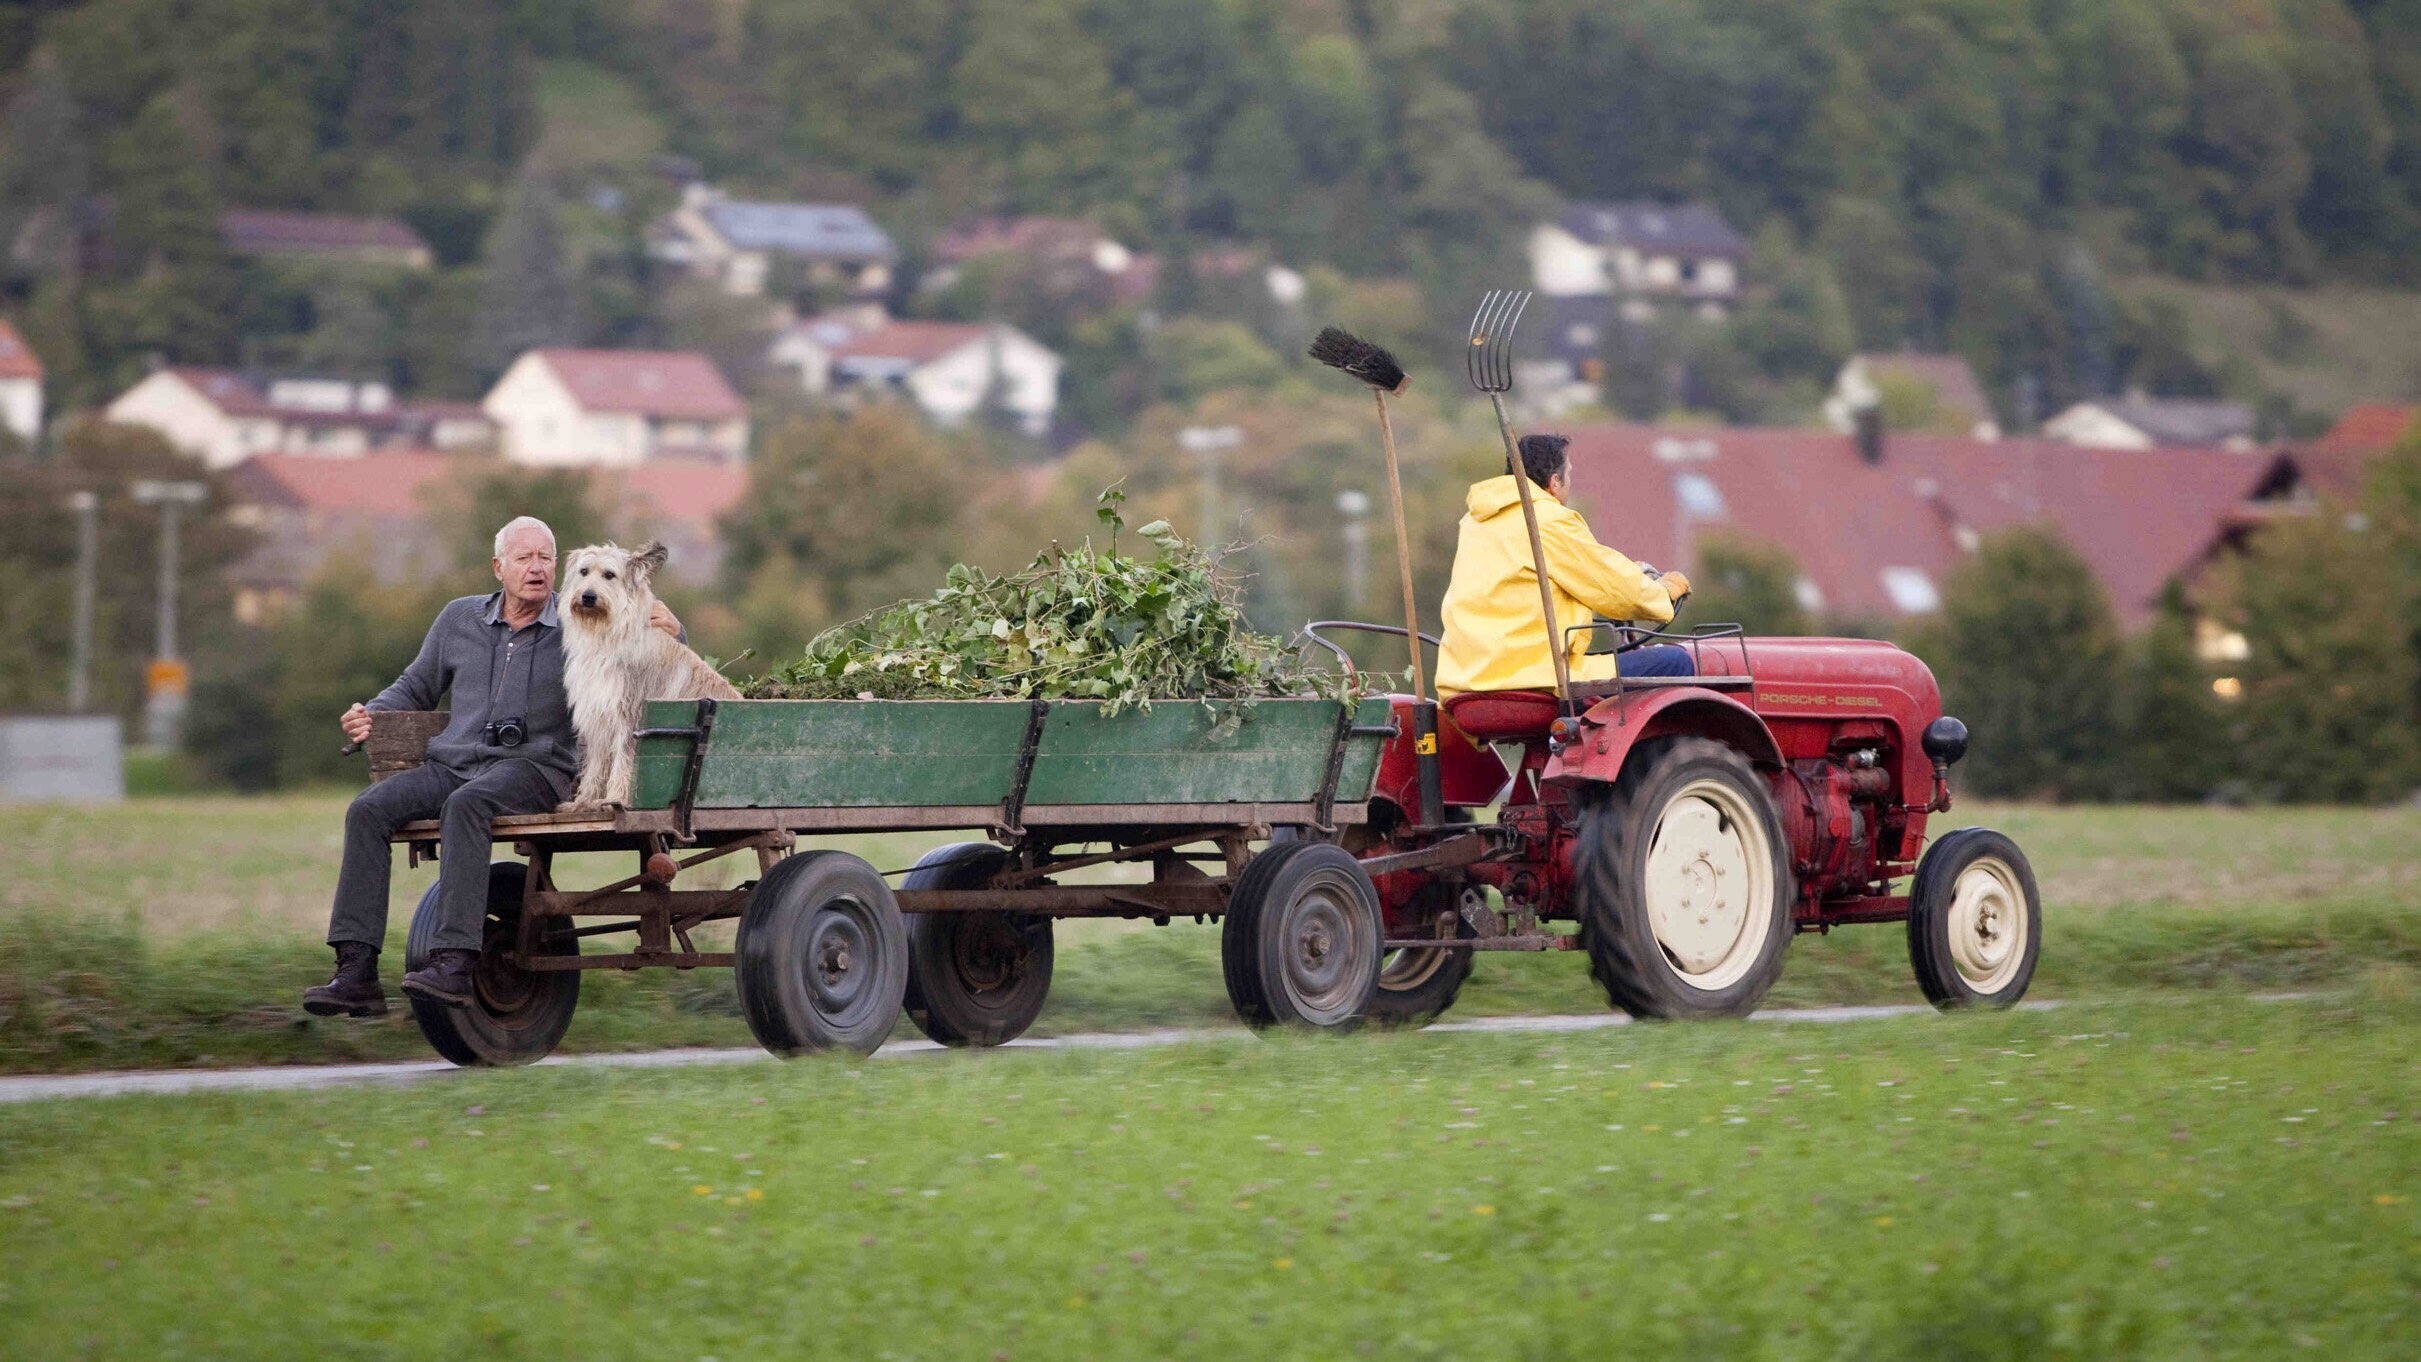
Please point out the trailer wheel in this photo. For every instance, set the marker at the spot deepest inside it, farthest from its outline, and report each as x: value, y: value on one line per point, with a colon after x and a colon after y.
x: 1975, y: 921
x: 823, y: 959
x: 1684, y: 883
x: 974, y: 978
x: 1300, y: 942
x: 516, y: 1016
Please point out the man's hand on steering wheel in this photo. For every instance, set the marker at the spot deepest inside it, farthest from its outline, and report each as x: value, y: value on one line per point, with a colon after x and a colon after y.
x: 1678, y: 586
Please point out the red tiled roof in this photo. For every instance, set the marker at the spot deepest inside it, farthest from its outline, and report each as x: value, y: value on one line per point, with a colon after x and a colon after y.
x: 17, y: 359
x: 442, y: 409
x: 388, y: 483
x: 249, y: 231
x: 680, y: 491
x: 1022, y: 236
x: 2367, y: 427
x: 680, y: 385
x: 1952, y: 381
x: 232, y: 392
x: 2138, y: 516
x: 913, y: 342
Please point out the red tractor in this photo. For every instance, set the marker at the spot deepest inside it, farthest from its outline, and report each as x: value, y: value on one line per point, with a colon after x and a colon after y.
x: 1690, y: 826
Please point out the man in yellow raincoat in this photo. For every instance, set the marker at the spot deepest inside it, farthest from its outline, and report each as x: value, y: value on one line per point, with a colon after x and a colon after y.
x: 1494, y: 637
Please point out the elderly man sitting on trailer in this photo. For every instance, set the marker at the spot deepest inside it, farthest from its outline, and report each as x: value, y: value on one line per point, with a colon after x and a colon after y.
x: 1493, y: 637
x: 507, y: 747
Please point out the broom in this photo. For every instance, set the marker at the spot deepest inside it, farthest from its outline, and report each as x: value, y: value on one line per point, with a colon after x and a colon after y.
x: 1348, y: 353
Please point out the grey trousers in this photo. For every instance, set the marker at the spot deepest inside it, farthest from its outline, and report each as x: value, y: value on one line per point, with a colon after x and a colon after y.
x: 464, y: 806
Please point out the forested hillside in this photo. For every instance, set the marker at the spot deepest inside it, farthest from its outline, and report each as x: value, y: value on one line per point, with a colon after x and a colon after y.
x: 1963, y: 173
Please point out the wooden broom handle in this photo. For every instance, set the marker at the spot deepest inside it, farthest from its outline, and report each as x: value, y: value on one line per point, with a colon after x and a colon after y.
x: 1403, y: 551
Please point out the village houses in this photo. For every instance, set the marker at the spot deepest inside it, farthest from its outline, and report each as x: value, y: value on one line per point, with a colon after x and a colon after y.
x: 1647, y: 253
x: 227, y: 417
x: 579, y: 407
x: 2139, y: 422
x: 952, y: 371
x: 740, y: 242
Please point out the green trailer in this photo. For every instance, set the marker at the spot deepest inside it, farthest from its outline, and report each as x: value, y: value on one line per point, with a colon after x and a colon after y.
x: 1236, y: 814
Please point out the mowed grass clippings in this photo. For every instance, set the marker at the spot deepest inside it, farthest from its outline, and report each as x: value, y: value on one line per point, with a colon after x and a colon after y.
x: 2197, y: 1179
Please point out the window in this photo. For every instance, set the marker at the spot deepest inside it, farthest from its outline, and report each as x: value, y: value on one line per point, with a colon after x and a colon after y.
x: 1911, y: 590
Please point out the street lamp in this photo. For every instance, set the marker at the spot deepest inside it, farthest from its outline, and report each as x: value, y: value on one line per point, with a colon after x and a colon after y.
x: 1209, y: 442
x: 87, y: 507
x: 167, y: 680
x: 1354, y: 505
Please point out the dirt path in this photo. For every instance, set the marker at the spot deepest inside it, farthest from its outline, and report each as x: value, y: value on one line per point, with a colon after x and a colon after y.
x: 286, y: 1078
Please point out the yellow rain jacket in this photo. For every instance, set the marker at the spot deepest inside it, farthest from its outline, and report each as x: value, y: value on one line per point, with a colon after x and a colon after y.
x: 1493, y: 637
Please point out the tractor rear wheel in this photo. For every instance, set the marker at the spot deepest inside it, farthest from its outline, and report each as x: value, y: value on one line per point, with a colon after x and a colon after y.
x: 1684, y: 883
x: 1975, y: 921
x: 1300, y: 941
x: 1417, y: 983
x: 974, y: 978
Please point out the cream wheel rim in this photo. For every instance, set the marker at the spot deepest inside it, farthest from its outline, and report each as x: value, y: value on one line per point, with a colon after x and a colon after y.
x: 1710, y: 884
x: 1987, y: 924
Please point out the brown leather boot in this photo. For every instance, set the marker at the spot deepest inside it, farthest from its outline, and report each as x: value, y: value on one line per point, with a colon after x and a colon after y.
x: 353, y: 990
x: 445, y: 979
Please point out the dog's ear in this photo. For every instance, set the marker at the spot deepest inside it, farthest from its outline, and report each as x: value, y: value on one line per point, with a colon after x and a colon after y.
x: 649, y: 556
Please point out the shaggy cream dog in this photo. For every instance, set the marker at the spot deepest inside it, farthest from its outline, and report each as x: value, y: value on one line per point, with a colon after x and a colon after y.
x: 614, y: 663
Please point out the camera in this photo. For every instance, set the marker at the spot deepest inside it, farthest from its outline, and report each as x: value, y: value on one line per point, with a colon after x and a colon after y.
x: 504, y: 733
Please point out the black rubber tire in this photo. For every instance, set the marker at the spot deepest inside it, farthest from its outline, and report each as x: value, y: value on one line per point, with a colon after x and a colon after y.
x: 1421, y: 993
x: 973, y: 978
x: 1424, y: 993
x: 1930, y: 949
x: 823, y: 957
x: 1290, y: 895
x: 516, y: 1016
x: 1617, y: 830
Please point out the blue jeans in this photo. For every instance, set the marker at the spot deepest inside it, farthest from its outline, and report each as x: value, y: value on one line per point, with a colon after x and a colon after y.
x: 1656, y: 659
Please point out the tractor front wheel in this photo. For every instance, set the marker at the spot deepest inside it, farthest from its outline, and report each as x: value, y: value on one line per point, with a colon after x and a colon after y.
x: 1684, y: 884
x: 1975, y: 921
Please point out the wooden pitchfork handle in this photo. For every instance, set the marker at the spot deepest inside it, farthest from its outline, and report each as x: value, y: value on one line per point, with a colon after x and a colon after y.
x: 1538, y: 556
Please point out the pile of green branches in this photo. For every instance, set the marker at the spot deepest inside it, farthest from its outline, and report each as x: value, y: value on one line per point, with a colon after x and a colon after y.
x: 1080, y: 624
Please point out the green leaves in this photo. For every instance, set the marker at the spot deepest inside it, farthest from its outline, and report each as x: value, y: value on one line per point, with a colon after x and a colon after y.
x: 1073, y: 624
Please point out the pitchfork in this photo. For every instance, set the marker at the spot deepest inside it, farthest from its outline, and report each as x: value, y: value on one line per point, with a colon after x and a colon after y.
x: 1489, y: 360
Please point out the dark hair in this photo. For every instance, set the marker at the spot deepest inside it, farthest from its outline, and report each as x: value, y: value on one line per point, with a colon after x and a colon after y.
x: 1543, y: 456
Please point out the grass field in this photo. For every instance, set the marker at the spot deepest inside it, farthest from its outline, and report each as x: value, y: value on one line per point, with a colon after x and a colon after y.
x: 177, y: 931
x: 2198, y: 1177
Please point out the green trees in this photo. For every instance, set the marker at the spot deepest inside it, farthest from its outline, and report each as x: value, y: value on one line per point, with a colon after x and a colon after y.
x: 1753, y: 585
x: 2027, y: 653
x: 526, y: 299
x: 2330, y: 608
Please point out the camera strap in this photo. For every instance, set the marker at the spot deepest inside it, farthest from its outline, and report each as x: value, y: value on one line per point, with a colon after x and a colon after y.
x: 500, y: 661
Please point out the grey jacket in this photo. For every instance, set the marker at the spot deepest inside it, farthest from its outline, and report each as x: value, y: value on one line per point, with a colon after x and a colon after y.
x: 493, y: 673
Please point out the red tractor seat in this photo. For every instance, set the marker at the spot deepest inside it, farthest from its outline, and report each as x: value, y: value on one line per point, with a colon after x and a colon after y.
x: 1487, y: 716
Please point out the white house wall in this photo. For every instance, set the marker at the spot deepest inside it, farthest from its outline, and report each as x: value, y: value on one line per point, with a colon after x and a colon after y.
x: 1562, y: 265
x: 189, y: 420
x: 537, y: 420
x: 21, y: 406
x: 2095, y: 428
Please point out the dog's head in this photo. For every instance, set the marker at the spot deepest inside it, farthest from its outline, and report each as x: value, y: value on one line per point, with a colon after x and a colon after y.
x: 605, y: 584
